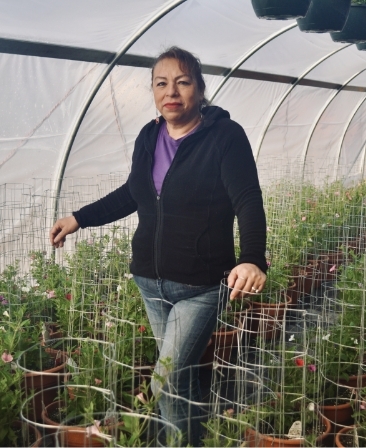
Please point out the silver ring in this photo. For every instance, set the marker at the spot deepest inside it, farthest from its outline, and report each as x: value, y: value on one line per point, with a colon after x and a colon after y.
x: 255, y: 290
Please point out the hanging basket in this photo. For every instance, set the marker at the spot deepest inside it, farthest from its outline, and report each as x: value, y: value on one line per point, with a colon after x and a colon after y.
x: 280, y: 9
x: 361, y: 46
x: 354, y: 30
x: 324, y: 16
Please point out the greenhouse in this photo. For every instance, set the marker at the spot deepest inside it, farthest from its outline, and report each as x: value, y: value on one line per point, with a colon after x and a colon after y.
x: 83, y: 363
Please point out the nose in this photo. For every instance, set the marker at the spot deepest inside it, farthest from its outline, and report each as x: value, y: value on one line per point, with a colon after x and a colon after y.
x: 171, y: 89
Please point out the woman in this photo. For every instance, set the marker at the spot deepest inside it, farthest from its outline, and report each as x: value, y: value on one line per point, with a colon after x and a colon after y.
x: 192, y: 172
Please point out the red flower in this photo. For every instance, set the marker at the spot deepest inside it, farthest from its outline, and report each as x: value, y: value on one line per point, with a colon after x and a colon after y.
x: 299, y: 362
x: 141, y: 329
x: 68, y: 296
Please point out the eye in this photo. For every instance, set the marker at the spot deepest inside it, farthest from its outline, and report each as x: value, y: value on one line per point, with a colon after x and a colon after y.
x: 184, y: 83
x: 161, y: 84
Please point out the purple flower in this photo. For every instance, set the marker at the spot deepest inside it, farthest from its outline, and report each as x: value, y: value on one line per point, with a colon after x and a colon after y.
x: 312, y: 368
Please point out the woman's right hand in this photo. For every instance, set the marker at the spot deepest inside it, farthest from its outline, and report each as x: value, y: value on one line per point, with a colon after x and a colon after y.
x: 62, y: 227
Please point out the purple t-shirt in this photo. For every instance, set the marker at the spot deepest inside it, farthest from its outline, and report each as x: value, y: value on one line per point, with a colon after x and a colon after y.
x: 165, y: 150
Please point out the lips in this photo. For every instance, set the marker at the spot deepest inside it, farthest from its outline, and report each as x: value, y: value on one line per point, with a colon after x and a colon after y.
x: 172, y: 105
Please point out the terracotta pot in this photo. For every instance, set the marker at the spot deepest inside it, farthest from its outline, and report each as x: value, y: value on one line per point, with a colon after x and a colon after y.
x: 45, y: 382
x: 71, y: 436
x: 306, y: 278
x: 261, y: 324
x: 30, y: 432
x: 354, y: 381
x: 293, y: 292
x: 255, y: 439
x: 346, y: 431
x: 276, y: 310
x: 337, y: 413
x: 222, y: 343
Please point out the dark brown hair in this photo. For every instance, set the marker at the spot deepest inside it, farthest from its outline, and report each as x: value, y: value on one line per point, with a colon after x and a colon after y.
x: 188, y: 63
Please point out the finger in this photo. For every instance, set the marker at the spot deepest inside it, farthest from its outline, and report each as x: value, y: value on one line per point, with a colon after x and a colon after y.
x: 242, y: 288
x: 232, y: 279
x: 61, y: 235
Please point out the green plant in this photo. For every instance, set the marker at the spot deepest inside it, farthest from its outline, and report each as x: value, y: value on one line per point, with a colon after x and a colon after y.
x: 228, y: 429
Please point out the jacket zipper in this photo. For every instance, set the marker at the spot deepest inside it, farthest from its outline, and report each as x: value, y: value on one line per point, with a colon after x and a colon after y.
x: 158, y: 209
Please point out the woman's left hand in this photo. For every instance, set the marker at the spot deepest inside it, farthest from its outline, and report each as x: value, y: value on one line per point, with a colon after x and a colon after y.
x: 244, y: 279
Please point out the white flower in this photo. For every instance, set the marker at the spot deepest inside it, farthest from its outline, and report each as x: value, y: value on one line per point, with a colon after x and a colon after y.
x: 355, y: 341
x: 119, y: 288
x: 292, y: 338
x: 311, y: 407
x: 2, y: 328
x: 109, y: 324
x: 326, y: 337
x: 72, y: 364
x: 129, y: 276
x: 25, y: 289
x: 6, y: 314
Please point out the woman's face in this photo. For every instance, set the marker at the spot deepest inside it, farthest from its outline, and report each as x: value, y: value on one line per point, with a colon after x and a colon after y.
x: 176, y: 94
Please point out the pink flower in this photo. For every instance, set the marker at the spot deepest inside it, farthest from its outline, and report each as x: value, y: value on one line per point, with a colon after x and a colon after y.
x: 97, y: 381
x: 6, y: 357
x: 333, y: 268
x: 93, y: 430
x: 141, y: 398
x: 299, y: 362
x: 363, y: 405
x: 229, y: 412
x: 303, y: 218
x: 312, y: 368
x: 141, y: 329
x: 337, y: 193
x: 68, y: 296
x: 51, y: 295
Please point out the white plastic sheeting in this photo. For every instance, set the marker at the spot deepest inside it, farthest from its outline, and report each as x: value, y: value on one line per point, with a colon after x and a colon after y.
x: 286, y: 116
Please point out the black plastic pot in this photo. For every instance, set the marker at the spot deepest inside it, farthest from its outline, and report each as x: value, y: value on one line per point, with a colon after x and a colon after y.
x: 354, y: 30
x: 324, y: 16
x: 280, y: 9
x: 361, y: 46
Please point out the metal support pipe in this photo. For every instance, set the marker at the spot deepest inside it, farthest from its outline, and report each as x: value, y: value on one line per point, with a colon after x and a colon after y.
x: 84, y: 108
x: 287, y: 93
x: 357, y: 108
x: 321, y: 113
x: 247, y: 55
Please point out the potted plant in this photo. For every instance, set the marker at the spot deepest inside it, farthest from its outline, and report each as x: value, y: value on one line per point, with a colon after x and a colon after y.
x: 280, y: 9
x: 324, y: 16
x: 225, y: 337
x: 43, y: 370
x: 354, y: 30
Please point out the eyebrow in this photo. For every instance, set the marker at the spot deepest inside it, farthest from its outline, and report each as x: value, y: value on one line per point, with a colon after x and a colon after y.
x: 178, y: 77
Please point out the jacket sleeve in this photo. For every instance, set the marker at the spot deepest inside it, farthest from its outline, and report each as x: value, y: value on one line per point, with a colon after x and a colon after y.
x: 240, y: 178
x: 114, y: 206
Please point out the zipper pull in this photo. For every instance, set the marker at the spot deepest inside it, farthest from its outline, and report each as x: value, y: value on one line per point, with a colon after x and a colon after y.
x: 157, y: 197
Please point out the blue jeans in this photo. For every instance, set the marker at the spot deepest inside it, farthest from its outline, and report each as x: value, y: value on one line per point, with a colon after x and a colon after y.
x: 182, y: 318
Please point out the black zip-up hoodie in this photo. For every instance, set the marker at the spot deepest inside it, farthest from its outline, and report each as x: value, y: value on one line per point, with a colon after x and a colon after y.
x: 185, y: 234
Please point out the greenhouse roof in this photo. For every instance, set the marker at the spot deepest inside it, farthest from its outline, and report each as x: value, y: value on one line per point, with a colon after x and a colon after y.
x: 76, y: 85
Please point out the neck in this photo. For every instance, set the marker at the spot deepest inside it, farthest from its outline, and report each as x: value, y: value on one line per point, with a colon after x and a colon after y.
x: 180, y: 130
